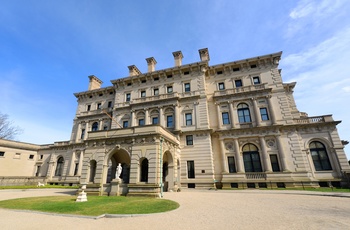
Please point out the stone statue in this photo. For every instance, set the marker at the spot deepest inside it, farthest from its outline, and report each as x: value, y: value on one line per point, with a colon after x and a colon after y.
x: 118, y: 171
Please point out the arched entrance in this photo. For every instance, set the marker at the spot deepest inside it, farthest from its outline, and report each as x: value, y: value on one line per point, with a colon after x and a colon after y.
x: 118, y: 156
x: 168, y: 172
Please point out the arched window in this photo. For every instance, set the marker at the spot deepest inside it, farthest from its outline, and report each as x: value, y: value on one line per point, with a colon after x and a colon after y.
x: 243, y: 113
x: 319, y: 156
x: 251, y: 158
x: 59, y: 166
x: 94, y: 126
x: 144, y: 170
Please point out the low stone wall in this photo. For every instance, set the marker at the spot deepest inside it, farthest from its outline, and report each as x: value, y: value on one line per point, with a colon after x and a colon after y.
x: 12, y: 181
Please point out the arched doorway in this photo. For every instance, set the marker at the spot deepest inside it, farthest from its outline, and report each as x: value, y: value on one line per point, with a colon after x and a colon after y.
x: 251, y: 158
x: 119, y: 156
x: 168, y: 172
x: 59, y: 166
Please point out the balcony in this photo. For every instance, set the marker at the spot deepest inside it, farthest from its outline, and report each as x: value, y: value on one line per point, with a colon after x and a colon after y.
x: 311, y: 120
x: 94, y: 112
x: 256, y: 176
x: 243, y: 89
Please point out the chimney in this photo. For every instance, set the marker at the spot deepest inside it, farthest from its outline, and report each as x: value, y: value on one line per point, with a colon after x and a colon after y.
x: 204, y: 54
x: 94, y: 83
x: 178, y: 58
x: 133, y: 70
x: 151, y: 62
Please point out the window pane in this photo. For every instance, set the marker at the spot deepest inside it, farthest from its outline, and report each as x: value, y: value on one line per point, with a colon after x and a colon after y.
x: 190, y: 169
x: 238, y: 83
x: 169, y: 120
x: 231, y: 164
x: 225, y: 118
x: 189, y: 140
x: 155, y: 120
x: 264, y: 115
x: 187, y: 87
x: 188, y: 117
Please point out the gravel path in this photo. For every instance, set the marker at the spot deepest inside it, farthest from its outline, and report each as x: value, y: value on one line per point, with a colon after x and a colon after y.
x: 199, y: 209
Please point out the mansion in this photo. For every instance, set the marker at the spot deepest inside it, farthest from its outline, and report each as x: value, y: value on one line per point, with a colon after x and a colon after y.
x: 231, y: 125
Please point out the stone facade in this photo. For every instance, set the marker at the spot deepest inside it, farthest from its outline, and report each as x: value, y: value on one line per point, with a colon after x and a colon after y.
x: 231, y: 125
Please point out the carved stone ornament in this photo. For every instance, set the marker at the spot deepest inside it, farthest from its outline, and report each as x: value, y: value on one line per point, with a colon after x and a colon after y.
x: 229, y: 146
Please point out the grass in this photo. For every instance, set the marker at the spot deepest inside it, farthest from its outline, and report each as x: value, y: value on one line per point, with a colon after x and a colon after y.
x: 95, y: 206
x: 35, y: 187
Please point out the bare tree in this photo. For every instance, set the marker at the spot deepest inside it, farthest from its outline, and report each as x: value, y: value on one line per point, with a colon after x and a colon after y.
x: 7, y: 129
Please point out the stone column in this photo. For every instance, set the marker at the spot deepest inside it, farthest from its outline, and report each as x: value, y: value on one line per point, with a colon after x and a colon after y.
x: 218, y: 115
x: 196, y: 114
x: 80, y: 166
x: 232, y: 115
x: 72, y: 164
x: 265, y: 156
x: 238, y: 157
x: 271, y: 110
x: 147, y: 122
x: 161, y: 117
x: 256, y: 112
x: 223, y: 156
x: 176, y: 117
x: 282, y: 154
x: 132, y: 118
x: 78, y: 132
x: 86, y: 130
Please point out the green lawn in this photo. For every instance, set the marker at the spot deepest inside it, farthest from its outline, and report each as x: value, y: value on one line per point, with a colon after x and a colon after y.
x: 95, y: 206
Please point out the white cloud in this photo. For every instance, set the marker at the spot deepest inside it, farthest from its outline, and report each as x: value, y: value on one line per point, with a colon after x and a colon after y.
x: 315, y: 9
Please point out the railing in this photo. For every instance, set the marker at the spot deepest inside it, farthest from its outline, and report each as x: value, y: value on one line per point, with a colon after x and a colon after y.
x: 309, y: 120
x: 94, y: 112
x: 240, y: 90
x: 255, y: 176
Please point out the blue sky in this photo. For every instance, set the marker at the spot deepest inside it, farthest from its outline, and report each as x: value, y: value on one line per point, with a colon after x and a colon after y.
x: 49, y: 48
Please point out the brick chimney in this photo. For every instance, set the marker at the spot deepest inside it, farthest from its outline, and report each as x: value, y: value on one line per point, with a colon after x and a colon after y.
x: 94, y: 83
x: 133, y: 70
x: 178, y: 58
x: 151, y: 62
x: 204, y: 54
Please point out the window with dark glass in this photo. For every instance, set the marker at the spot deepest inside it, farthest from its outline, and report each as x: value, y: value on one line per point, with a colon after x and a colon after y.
x: 187, y: 87
x: 127, y: 97
x: 99, y: 105
x: 231, y: 164
x: 31, y: 156
x: 82, y: 134
x: 169, y: 89
x: 59, y: 166
x: 189, y: 140
x: 2, y: 154
x: 221, y: 86
x: 188, y: 117
x: 156, y: 92
x: 88, y: 108
x: 143, y: 93
x: 319, y: 156
x: 238, y: 83
x: 169, y: 121
x: 256, y: 80
x: 144, y: 170
x: 155, y: 120
x: 94, y: 126
x: 243, y: 113
x: 251, y: 158
x: 274, y: 163
x: 264, y: 115
x: 125, y: 124
x: 109, y: 104
x: 141, y: 122
x: 190, y: 169
x: 225, y: 118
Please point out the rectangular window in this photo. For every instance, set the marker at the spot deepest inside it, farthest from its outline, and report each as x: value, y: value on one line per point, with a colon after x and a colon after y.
x: 190, y: 169
x: 156, y: 92
x: 141, y: 122
x: 221, y: 86
x: 99, y: 105
x: 31, y: 156
x: 2, y: 154
x: 231, y: 164
x: 225, y: 118
x: 169, y: 89
x: 127, y: 97
x: 189, y: 140
x: 155, y: 120
x: 274, y: 163
x: 88, y: 108
x: 256, y: 80
x: 188, y: 117
x: 41, y: 157
x: 169, y: 121
x: 143, y: 93
x: 125, y: 124
x: 37, y: 173
x: 238, y: 83
x: 76, y: 169
x: 264, y: 115
x: 82, y: 134
x: 187, y: 87
x: 109, y: 104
